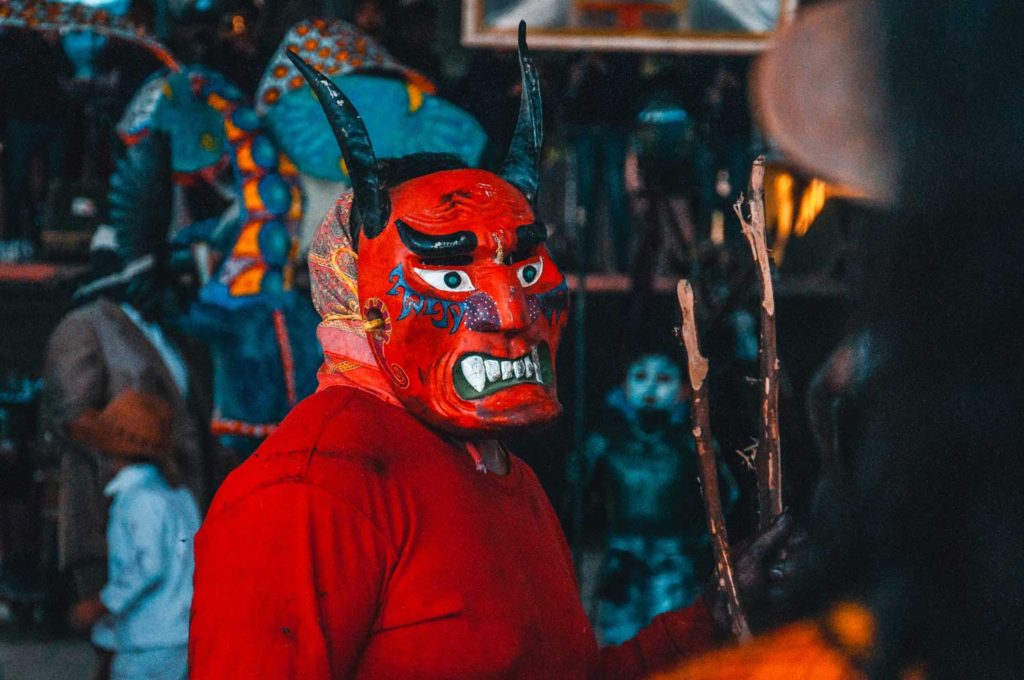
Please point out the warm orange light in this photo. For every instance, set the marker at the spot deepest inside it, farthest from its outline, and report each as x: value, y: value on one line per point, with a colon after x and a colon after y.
x: 784, y: 213
x: 853, y: 626
x: 811, y: 204
x: 791, y: 206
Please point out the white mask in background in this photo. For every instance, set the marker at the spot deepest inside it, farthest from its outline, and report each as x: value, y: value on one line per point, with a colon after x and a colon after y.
x: 653, y: 382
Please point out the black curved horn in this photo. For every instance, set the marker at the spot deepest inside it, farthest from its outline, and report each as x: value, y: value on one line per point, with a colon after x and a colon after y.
x: 522, y: 165
x: 370, y: 204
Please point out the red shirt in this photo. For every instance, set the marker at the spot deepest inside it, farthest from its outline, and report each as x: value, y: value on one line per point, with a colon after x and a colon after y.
x: 356, y: 542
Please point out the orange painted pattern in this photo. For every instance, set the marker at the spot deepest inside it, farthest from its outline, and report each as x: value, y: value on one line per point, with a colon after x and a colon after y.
x: 248, y: 282
x: 248, y: 244
x: 246, y: 268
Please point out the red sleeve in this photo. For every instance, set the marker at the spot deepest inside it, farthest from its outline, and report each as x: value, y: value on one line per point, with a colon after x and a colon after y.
x: 287, y: 585
x: 666, y: 641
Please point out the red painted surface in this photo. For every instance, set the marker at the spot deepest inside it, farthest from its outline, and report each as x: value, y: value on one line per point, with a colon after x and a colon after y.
x: 421, y: 357
x: 356, y: 542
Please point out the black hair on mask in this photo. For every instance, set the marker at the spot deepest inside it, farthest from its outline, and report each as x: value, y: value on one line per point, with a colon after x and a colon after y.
x: 394, y: 171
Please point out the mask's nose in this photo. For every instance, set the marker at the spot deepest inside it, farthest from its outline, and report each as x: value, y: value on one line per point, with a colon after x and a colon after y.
x: 510, y: 311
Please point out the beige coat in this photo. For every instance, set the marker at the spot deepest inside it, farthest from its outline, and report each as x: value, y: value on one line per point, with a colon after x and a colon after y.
x: 95, y: 353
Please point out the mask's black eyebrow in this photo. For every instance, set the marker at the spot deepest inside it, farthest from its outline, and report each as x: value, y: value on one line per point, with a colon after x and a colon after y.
x: 528, y: 237
x: 446, y: 246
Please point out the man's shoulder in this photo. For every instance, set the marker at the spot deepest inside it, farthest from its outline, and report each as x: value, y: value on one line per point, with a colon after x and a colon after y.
x: 81, y: 323
x: 79, y: 319
x: 329, y: 441
x: 93, y: 311
x: 335, y: 417
x: 151, y: 500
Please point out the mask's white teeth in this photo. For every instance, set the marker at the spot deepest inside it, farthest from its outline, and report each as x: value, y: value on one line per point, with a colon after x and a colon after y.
x: 536, y: 368
x: 535, y: 356
x: 473, y: 370
x: 528, y: 364
x: 493, y: 370
x: 506, y: 370
x: 518, y: 370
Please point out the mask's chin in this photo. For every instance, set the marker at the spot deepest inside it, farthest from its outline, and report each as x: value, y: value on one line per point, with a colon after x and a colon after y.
x: 481, y: 424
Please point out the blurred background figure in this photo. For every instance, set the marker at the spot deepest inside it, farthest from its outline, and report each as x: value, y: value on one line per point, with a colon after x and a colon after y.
x: 600, y: 109
x: 372, y: 18
x: 33, y: 106
x: 724, y: 148
x: 119, y: 341
x: 140, y: 616
x: 639, y: 473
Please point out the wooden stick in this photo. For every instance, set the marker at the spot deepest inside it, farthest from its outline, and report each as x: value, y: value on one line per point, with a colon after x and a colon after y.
x: 697, y: 366
x: 769, y: 467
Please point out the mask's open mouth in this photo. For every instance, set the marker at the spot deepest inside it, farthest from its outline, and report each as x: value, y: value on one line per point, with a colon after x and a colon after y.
x: 477, y: 375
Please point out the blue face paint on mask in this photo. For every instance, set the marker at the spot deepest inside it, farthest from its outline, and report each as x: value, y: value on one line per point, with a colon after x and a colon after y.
x: 442, y: 313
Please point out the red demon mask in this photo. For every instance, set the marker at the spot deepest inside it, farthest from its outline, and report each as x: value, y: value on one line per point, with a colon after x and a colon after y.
x: 465, y: 304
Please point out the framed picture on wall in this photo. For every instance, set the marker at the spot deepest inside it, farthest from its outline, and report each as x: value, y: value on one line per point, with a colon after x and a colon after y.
x: 712, y: 26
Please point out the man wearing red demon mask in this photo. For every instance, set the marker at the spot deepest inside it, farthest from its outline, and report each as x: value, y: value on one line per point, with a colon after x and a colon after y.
x: 382, y: 531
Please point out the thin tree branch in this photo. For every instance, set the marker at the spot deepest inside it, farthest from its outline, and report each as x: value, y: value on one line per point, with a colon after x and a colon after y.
x: 769, y: 468
x: 697, y: 366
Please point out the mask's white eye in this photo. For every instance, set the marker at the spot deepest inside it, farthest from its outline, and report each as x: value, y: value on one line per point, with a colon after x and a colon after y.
x: 449, y: 280
x: 529, y: 273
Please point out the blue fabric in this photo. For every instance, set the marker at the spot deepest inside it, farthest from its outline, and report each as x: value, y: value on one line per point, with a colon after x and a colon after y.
x: 658, y: 575
x: 249, y: 381
x: 161, y: 663
x: 298, y: 125
x: 150, y: 532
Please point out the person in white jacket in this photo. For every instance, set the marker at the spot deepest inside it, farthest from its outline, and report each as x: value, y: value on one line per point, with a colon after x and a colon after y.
x: 142, y: 613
